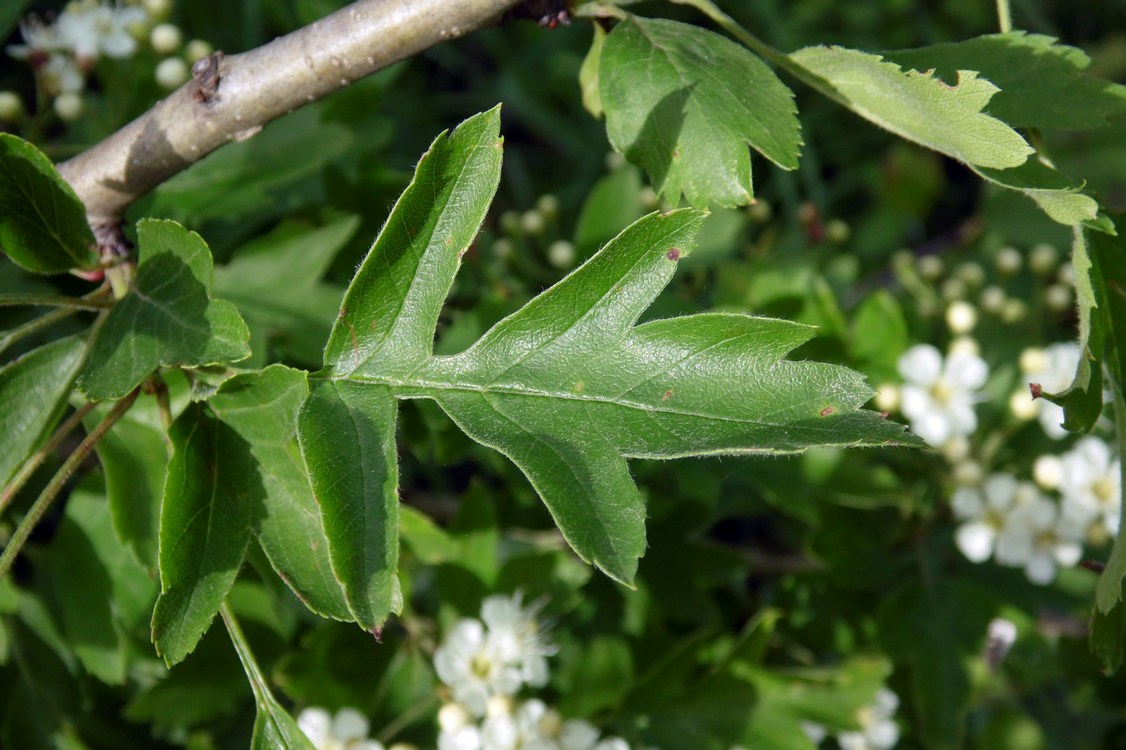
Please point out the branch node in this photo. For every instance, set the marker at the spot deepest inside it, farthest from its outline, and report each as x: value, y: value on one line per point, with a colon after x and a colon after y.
x: 205, y: 73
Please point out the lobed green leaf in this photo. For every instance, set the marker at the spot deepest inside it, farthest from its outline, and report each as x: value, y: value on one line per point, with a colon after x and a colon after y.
x: 919, y: 106
x: 167, y: 319
x: 43, y: 225
x: 685, y: 103
x: 1042, y: 84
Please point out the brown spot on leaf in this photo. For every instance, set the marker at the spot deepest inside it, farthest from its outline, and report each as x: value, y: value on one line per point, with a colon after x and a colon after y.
x: 827, y: 411
x: 673, y: 253
x: 1035, y: 389
x: 668, y: 395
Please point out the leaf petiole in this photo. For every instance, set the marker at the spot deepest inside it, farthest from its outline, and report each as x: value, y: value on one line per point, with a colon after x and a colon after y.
x: 36, y: 460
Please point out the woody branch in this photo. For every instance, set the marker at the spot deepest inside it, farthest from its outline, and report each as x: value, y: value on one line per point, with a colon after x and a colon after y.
x: 230, y: 98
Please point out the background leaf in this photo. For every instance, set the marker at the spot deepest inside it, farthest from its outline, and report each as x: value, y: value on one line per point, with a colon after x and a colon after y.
x: 918, y: 106
x: 33, y: 393
x: 42, y: 223
x: 684, y: 103
x: 211, y: 496
x: 167, y: 319
x: 1042, y: 83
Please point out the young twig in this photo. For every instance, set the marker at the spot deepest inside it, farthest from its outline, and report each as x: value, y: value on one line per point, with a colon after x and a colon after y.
x: 36, y: 459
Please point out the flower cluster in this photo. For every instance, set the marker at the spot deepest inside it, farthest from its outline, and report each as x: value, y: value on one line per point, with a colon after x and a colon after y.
x: 63, y: 52
x: 346, y: 730
x: 485, y: 663
x: 878, y: 730
x: 1037, y: 526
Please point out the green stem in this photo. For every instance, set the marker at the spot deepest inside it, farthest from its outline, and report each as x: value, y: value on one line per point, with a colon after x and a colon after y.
x: 246, y: 656
x: 1004, y: 16
x: 55, y: 486
x: 54, y: 300
x: 37, y: 458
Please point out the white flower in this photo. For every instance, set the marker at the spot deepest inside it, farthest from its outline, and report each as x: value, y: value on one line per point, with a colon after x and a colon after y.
x: 463, y: 738
x: 61, y: 75
x: 878, y: 730
x: 1040, y: 538
x: 938, y: 396
x: 985, y: 513
x: 1091, y: 484
x: 100, y: 30
x: 515, y: 634
x: 612, y: 743
x: 347, y: 730
x: 474, y: 666
x: 39, y: 39
x: 1055, y: 372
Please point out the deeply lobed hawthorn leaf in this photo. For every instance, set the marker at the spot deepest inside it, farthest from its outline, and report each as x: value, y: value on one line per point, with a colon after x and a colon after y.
x: 918, y: 106
x: 386, y: 325
x: 568, y: 387
x: 212, y: 495
x: 685, y: 103
x: 167, y: 319
x: 43, y: 224
x: 33, y: 392
x: 262, y: 408
x: 1042, y: 83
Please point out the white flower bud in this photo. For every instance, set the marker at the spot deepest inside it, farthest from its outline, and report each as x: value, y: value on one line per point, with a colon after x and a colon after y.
x: 968, y: 473
x: 165, y: 38
x: 1047, y: 470
x: 837, y: 231
x: 11, y: 106
x: 953, y: 290
x: 452, y: 717
x: 965, y: 345
x: 1058, y: 297
x: 760, y: 211
x: 1022, y: 406
x: 887, y: 397
x: 158, y: 9
x: 510, y: 223
x: 930, y: 267
x: 68, y: 106
x: 561, y: 254
x: 1033, y: 359
x: 532, y: 222
x: 1014, y: 310
x: 197, y: 49
x: 956, y: 449
x: 1009, y: 260
x: 992, y: 299
x: 961, y: 317
x: 614, y: 160
x: 171, y: 73
x: 649, y: 198
x: 971, y: 274
x: 502, y: 247
x: 1066, y: 275
x: 498, y: 705
x: 1042, y: 258
x: 548, y: 205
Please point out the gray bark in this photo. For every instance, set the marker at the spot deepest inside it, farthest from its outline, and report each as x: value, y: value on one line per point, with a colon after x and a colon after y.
x: 258, y: 86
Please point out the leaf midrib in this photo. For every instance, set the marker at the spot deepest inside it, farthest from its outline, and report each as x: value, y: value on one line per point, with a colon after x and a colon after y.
x: 408, y: 389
